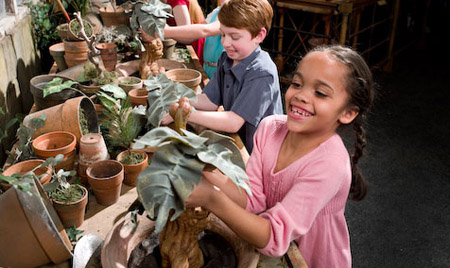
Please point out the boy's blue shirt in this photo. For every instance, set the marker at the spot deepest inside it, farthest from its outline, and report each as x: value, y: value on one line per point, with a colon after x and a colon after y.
x: 250, y: 89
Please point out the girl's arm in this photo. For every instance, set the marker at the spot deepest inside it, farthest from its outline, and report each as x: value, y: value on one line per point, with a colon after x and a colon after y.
x: 186, y: 34
x: 250, y: 227
x: 181, y: 15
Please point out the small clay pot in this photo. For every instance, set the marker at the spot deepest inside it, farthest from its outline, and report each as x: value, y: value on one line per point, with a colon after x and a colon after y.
x: 72, y: 214
x: 62, y: 30
x: 132, y: 171
x: 92, y: 149
x: 108, y: 53
x: 138, y: 96
x: 105, y: 178
x: 26, y: 166
x: 72, y: 36
x: 57, y: 51
x: 169, y: 48
x: 57, y: 142
x: 189, y: 77
x: 130, y: 82
x: 114, y: 18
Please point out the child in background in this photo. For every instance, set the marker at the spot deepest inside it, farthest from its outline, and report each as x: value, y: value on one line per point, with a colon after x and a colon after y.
x: 187, y: 12
x: 300, y: 172
x: 246, y: 81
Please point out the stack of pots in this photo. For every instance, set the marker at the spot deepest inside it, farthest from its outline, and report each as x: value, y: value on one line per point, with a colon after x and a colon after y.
x: 76, y: 49
x: 57, y: 142
x: 92, y: 149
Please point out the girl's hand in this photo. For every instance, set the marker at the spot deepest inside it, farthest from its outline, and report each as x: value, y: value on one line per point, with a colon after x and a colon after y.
x: 166, y: 119
x: 202, y: 194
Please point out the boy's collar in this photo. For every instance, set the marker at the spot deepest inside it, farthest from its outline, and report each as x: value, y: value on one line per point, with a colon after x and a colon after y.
x: 239, y: 70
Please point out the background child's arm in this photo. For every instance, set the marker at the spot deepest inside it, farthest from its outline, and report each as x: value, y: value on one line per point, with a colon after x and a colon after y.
x: 225, y: 121
x: 186, y: 34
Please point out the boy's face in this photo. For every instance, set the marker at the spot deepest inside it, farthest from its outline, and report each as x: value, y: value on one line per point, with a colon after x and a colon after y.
x: 238, y: 43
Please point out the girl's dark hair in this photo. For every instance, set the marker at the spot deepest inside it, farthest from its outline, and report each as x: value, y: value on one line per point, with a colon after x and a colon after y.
x: 360, y: 88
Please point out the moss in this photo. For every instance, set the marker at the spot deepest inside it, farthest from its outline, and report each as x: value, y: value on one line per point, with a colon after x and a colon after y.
x: 132, y: 158
x: 83, y: 122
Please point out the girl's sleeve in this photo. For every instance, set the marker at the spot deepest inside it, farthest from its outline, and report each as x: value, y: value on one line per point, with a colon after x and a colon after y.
x: 256, y: 203
x: 295, y: 214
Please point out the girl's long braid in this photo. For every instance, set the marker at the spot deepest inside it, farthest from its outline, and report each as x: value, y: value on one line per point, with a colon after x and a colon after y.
x: 358, y: 188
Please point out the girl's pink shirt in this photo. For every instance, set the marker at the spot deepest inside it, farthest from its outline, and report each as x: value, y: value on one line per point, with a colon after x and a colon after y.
x: 305, y: 201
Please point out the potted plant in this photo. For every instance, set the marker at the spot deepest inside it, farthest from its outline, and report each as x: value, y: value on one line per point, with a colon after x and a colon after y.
x: 41, y: 83
x: 130, y: 82
x: 69, y: 200
x: 74, y: 30
x: 134, y: 162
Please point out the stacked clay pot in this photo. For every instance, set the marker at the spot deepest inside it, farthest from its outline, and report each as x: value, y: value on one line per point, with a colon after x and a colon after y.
x: 92, y: 149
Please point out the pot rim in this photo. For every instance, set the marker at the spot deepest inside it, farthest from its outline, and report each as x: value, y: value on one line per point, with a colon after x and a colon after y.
x: 85, y: 194
x: 120, y: 156
x: 65, y: 148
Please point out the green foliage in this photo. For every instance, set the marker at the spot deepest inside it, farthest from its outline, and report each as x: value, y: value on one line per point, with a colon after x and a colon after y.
x: 162, y: 93
x: 44, y: 23
x: 90, y: 73
x: 122, y: 125
x: 132, y: 158
x: 151, y: 16
x: 121, y: 35
x: 74, y: 27
x: 57, y: 85
x: 24, y: 150
x: 74, y: 235
x: 4, y: 133
x: 177, y: 166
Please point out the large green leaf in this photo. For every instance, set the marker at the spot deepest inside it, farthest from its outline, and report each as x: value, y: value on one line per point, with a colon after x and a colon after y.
x: 57, y: 85
x: 117, y: 91
x: 160, y: 100
x: 177, y: 166
x: 151, y: 17
x: 167, y: 183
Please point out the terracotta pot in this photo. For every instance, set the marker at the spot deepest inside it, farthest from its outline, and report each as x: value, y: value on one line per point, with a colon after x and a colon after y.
x: 66, y: 117
x: 62, y: 30
x: 57, y: 52
x: 57, y: 142
x: 72, y: 214
x: 108, y: 53
x: 89, y: 90
x: 169, y: 48
x: 72, y: 36
x: 138, y: 96
x: 132, y: 171
x: 26, y: 166
x: 189, y: 77
x: 94, y: 19
x: 130, y: 82
x: 124, y: 237
x: 114, y: 18
x: 75, y: 52
x: 105, y: 178
x: 37, y: 85
x: 92, y: 149
x: 31, y: 233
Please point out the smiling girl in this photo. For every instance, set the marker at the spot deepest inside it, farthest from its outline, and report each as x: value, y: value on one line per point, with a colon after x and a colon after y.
x: 301, y: 174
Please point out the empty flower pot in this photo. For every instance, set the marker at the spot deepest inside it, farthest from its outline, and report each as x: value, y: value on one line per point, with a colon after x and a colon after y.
x: 105, y: 178
x: 92, y: 149
x: 57, y: 142
x: 138, y: 96
x: 189, y: 77
x: 57, y: 51
x: 108, y: 53
x: 26, y: 166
